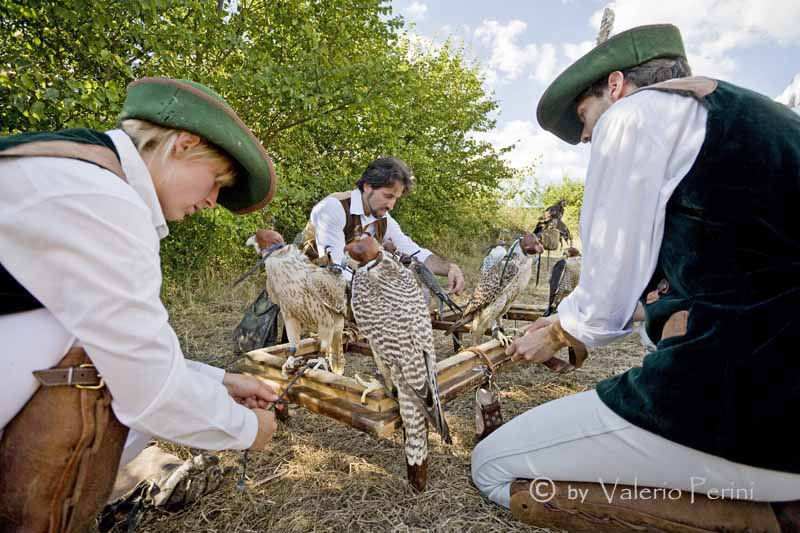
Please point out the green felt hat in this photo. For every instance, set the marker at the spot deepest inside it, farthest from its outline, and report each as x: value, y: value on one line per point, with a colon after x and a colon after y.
x: 557, y: 108
x: 190, y: 106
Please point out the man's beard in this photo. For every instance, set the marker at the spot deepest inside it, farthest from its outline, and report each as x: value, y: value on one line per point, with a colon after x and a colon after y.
x: 372, y: 210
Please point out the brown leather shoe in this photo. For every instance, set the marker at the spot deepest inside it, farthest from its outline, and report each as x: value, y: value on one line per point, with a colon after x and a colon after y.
x: 592, y: 507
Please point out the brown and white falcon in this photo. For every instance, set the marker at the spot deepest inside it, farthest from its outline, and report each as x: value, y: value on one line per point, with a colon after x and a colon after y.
x: 311, y: 298
x: 498, y: 287
x: 391, y: 313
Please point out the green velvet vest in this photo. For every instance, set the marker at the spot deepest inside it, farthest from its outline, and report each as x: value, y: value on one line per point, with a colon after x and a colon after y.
x: 78, y: 143
x: 730, y: 256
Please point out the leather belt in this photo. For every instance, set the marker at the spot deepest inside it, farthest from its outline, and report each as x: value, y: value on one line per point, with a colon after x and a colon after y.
x: 81, y: 377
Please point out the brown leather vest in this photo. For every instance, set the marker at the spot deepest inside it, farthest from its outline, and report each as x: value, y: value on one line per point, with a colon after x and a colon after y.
x: 352, y: 228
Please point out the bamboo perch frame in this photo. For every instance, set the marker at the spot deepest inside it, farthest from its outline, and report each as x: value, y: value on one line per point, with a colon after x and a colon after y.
x: 339, y: 397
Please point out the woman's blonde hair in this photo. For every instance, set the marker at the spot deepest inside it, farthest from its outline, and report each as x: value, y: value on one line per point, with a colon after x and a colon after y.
x: 158, y: 140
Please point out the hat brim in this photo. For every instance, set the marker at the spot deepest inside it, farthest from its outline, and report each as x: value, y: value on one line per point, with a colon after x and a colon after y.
x: 192, y: 107
x: 556, y: 111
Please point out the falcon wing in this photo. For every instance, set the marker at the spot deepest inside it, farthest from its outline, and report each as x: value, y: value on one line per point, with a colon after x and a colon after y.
x: 329, y: 287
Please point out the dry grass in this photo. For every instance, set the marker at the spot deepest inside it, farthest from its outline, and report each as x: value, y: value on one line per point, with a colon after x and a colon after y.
x: 319, y: 475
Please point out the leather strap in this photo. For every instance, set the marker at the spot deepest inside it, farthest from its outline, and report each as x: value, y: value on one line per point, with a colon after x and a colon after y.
x: 73, y: 376
x: 99, y: 155
x: 480, y: 353
x: 558, y: 366
x: 558, y: 335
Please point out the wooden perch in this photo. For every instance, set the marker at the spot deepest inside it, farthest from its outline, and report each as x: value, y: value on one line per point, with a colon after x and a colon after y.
x: 339, y: 397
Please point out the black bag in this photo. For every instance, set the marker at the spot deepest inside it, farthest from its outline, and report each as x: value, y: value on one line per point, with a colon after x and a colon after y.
x: 259, y: 327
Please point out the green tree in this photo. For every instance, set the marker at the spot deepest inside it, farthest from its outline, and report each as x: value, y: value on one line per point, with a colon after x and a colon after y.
x: 327, y: 87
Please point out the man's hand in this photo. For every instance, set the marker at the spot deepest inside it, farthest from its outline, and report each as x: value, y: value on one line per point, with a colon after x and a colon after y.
x: 266, y: 429
x: 455, y: 279
x: 441, y: 267
x: 249, y: 391
x: 538, y: 344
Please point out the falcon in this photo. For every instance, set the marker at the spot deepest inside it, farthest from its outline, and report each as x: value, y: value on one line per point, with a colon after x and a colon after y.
x: 563, y: 279
x: 311, y: 298
x: 390, y: 312
x: 498, y: 287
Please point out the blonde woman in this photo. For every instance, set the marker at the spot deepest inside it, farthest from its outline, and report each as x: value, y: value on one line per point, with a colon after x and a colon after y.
x: 90, y: 368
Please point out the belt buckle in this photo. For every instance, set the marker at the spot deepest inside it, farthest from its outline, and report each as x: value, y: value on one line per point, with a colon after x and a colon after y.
x: 91, y: 387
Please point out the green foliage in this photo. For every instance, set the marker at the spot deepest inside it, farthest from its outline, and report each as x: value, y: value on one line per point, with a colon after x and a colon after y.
x: 327, y: 86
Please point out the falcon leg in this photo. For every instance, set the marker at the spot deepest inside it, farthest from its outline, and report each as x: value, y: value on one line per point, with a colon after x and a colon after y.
x: 293, y: 330
x: 370, y: 385
x: 477, y: 330
x: 336, y: 350
x: 502, y: 338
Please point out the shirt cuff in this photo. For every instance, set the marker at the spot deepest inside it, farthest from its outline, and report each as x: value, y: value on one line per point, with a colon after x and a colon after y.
x: 250, y: 430
x: 591, y: 337
x: 423, y: 255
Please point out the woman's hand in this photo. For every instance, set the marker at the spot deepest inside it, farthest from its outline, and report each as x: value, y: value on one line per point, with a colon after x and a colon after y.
x: 249, y: 391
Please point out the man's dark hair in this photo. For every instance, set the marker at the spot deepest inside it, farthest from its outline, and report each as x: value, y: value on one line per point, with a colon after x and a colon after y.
x: 384, y: 171
x: 648, y: 73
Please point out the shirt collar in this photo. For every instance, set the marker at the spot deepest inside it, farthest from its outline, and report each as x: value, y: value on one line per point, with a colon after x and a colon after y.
x: 139, y: 178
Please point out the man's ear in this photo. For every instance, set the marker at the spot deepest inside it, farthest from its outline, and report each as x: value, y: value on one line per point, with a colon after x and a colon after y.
x: 616, y: 84
x: 367, y: 188
x: 184, y: 142
x: 619, y: 86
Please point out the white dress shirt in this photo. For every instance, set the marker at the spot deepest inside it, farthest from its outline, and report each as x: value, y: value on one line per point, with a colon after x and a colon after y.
x: 86, y: 245
x: 642, y: 147
x: 329, y: 220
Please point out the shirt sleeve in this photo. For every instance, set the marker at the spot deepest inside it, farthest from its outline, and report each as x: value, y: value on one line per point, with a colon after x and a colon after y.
x: 213, y: 372
x: 404, y: 243
x: 329, y: 219
x: 636, y: 163
x: 93, y: 261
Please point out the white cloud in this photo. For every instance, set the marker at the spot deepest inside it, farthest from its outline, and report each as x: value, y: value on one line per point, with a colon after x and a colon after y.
x: 510, y: 58
x: 573, y: 51
x: 419, y: 44
x: 534, y: 146
x: 417, y: 10
x: 711, y: 29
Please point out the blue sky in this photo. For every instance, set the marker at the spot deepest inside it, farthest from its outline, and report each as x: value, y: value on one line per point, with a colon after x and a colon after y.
x: 522, y: 45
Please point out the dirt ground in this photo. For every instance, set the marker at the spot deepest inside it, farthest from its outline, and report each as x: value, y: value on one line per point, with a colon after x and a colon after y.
x: 320, y: 475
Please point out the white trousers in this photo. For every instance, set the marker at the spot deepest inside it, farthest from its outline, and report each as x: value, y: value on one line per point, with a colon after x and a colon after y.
x: 577, y: 438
